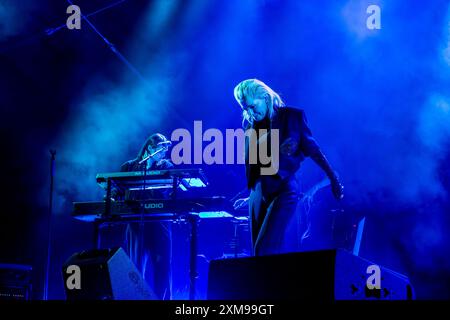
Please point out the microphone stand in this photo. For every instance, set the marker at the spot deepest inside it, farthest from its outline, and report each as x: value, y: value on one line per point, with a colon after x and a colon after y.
x: 50, y: 209
x: 141, y: 222
x: 151, y: 155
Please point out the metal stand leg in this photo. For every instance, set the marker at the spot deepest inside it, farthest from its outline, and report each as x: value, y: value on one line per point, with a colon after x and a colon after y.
x: 96, y: 239
x: 106, y: 213
x: 193, y: 219
x: 235, y: 238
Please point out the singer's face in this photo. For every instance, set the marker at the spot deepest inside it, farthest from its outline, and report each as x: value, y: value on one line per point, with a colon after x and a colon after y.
x: 257, y: 108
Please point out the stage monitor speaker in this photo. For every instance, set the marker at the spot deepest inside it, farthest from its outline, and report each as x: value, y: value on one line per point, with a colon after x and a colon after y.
x: 104, y: 274
x: 15, y: 282
x: 324, y: 275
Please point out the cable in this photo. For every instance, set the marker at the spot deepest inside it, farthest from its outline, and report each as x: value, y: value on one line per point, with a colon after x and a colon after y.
x: 51, y: 31
x: 113, y: 48
x: 123, y: 59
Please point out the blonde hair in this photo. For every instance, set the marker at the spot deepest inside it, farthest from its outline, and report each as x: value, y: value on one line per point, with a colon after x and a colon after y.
x: 254, y: 88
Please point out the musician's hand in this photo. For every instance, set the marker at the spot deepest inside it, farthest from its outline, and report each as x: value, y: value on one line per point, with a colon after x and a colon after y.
x: 337, y: 188
x: 240, y: 203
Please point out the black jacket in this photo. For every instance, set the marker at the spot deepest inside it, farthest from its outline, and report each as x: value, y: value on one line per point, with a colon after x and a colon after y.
x: 293, y: 132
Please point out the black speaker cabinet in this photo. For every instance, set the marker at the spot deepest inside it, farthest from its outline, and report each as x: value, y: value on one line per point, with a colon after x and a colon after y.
x: 104, y: 274
x: 324, y: 275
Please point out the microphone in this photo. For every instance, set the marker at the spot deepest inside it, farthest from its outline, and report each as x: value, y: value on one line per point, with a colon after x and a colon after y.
x: 163, y: 145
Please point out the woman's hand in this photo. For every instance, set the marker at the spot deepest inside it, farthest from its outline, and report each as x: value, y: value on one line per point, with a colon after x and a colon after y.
x: 337, y: 188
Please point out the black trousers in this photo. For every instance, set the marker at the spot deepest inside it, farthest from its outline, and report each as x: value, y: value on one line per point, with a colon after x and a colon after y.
x: 270, y: 215
x: 156, y: 261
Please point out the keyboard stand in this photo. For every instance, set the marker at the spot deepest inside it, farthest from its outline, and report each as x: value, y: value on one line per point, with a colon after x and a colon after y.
x: 192, y: 218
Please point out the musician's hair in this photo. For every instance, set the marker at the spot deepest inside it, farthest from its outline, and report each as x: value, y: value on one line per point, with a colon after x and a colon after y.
x: 254, y: 88
x: 152, y: 141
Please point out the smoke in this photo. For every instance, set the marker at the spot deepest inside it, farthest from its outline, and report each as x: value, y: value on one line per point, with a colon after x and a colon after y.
x: 9, y: 20
x: 16, y: 19
x: 107, y: 128
x: 434, y: 125
x: 111, y: 118
x: 376, y: 99
x: 428, y: 232
x: 354, y: 14
x: 446, y: 42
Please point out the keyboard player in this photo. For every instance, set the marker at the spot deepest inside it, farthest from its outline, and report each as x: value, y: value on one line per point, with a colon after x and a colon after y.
x: 156, y: 241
